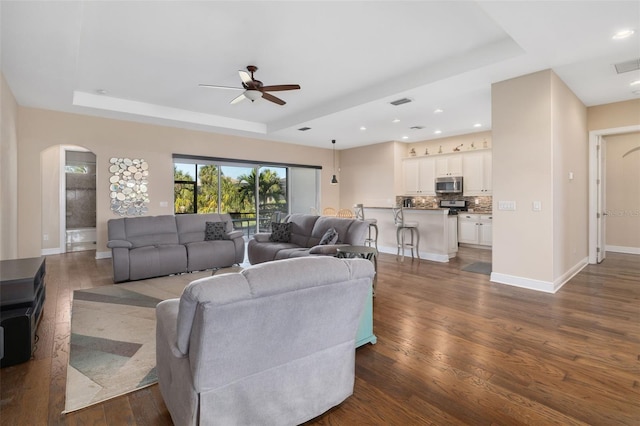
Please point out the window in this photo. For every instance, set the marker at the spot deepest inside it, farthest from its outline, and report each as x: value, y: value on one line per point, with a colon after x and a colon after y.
x: 209, y: 185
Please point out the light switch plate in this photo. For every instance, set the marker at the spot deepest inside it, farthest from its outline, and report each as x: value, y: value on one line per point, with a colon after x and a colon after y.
x: 507, y: 205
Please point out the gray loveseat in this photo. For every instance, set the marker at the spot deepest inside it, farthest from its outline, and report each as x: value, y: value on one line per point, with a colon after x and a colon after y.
x: 153, y: 246
x: 306, y: 233
x: 272, y: 345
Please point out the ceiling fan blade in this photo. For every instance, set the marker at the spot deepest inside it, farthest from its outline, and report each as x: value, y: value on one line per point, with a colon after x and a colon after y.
x: 213, y: 86
x: 245, y: 76
x: 281, y: 87
x: 270, y: 97
x: 237, y: 99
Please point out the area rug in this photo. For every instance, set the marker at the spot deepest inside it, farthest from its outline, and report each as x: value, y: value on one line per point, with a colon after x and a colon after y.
x: 113, y: 342
x: 479, y: 268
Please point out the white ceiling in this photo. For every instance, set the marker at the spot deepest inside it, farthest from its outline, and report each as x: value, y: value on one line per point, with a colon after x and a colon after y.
x: 350, y: 58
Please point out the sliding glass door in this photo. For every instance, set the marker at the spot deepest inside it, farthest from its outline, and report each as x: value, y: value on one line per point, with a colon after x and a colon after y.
x: 254, y: 195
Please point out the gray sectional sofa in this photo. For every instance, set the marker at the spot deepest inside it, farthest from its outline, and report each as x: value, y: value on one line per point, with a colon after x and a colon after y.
x: 272, y: 345
x: 153, y: 246
x: 306, y: 232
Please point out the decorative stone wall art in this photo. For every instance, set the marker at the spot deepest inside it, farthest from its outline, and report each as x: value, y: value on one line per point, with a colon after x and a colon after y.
x: 128, y: 186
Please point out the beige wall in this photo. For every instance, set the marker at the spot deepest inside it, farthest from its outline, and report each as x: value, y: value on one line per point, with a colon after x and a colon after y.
x: 609, y: 116
x: 8, y: 172
x: 538, y: 136
x: 570, y: 179
x: 622, y: 192
x: 39, y: 130
x: 522, y: 172
x: 367, y: 175
x: 50, y: 170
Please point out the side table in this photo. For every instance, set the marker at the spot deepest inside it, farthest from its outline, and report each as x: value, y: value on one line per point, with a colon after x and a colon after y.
x: 365, y: 331
x: 363, y: 252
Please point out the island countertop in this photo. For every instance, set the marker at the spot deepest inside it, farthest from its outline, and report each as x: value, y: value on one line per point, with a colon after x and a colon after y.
x: 437, y: 229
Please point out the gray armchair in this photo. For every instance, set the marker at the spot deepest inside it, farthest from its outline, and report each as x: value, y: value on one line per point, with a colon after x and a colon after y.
x: 272, y: 345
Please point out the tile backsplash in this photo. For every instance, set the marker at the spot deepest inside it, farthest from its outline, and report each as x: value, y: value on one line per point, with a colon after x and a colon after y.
x: 477, y: 204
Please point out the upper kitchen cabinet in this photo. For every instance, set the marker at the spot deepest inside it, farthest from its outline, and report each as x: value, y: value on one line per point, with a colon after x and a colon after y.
x: 449, y: 165
x: 419, y: 176
x: 477, y: 173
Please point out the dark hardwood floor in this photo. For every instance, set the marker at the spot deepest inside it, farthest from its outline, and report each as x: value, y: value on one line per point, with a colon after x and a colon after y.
x: 453, y: 349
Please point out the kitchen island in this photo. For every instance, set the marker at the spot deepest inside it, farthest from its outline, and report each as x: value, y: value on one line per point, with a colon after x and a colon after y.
x: 438, y: 231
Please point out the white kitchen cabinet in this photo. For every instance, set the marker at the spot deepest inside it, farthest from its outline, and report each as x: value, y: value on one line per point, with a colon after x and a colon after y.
x: 453, y: 234
x: 419, y: 176
x: 477, y: 173
x: 449, y: 165
x: 475, y: 229
x: 485, y: 234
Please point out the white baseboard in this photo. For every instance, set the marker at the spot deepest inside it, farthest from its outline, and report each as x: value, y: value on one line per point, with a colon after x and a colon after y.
x: 538, y: 285
x: 103, y: 254
x: 622, y: 249
x: 572, y: 272
x: 444, y: 258
x: 522, y: 282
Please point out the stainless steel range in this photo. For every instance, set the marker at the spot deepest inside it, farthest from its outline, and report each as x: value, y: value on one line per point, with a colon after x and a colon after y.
x: 454, y: 206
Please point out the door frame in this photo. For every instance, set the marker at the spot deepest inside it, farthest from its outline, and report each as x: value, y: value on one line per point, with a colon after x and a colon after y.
x: 596, y: 164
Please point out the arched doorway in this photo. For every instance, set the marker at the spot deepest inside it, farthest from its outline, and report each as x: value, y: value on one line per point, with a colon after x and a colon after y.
x: 68, y: 199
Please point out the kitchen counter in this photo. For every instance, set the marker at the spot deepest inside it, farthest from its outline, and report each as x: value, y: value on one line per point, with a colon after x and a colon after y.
x: 438, y: 231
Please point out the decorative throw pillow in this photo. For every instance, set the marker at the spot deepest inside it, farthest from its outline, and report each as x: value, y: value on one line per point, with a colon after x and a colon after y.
x: 215, y: 231
x: 280, y: 232
x: 329, y: 237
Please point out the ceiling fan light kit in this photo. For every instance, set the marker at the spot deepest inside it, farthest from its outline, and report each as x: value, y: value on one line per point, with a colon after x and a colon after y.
x: 254, y: 89
x: 253, y: 95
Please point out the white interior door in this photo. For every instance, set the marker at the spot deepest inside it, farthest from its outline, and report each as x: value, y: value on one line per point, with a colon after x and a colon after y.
x: 601, y: 216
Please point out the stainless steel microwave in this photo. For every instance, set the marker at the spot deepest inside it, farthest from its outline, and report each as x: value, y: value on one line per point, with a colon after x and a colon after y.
x: 449, y: 185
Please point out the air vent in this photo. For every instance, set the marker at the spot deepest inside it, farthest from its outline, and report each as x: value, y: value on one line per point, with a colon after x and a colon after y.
x: 304, y: 129
x: 416, y: 127
x: 400, y: 101
x: 627, y: 66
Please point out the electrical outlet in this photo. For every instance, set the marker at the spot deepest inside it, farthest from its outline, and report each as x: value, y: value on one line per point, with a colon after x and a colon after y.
x: 45, y: 237
x: 536, y: 206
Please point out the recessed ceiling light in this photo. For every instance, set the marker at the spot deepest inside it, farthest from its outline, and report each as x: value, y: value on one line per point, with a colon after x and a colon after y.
x: 101, y: 91
x: 477, y: 125
x: 623, y: 34
x: 405, y: 137
x: 635, y: 83
x: 396, y: 120
x: 437, y: 132
x: 437, y: 111
x: 363, y: 128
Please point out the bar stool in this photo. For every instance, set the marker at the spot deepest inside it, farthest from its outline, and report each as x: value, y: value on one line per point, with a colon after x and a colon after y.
x: 358, y: 209
x: 402, y: 227
x: 329, y: 211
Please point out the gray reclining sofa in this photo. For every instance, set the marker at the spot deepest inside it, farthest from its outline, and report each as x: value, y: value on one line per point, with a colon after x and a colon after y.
x: 272, y: 345
x: 153, y: 246
x: 305, y: 238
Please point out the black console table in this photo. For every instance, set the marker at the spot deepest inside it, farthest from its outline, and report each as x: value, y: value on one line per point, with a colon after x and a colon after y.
x: 22, y: 295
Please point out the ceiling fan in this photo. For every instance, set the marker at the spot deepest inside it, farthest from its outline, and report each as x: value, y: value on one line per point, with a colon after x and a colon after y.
x: 253, y: 89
